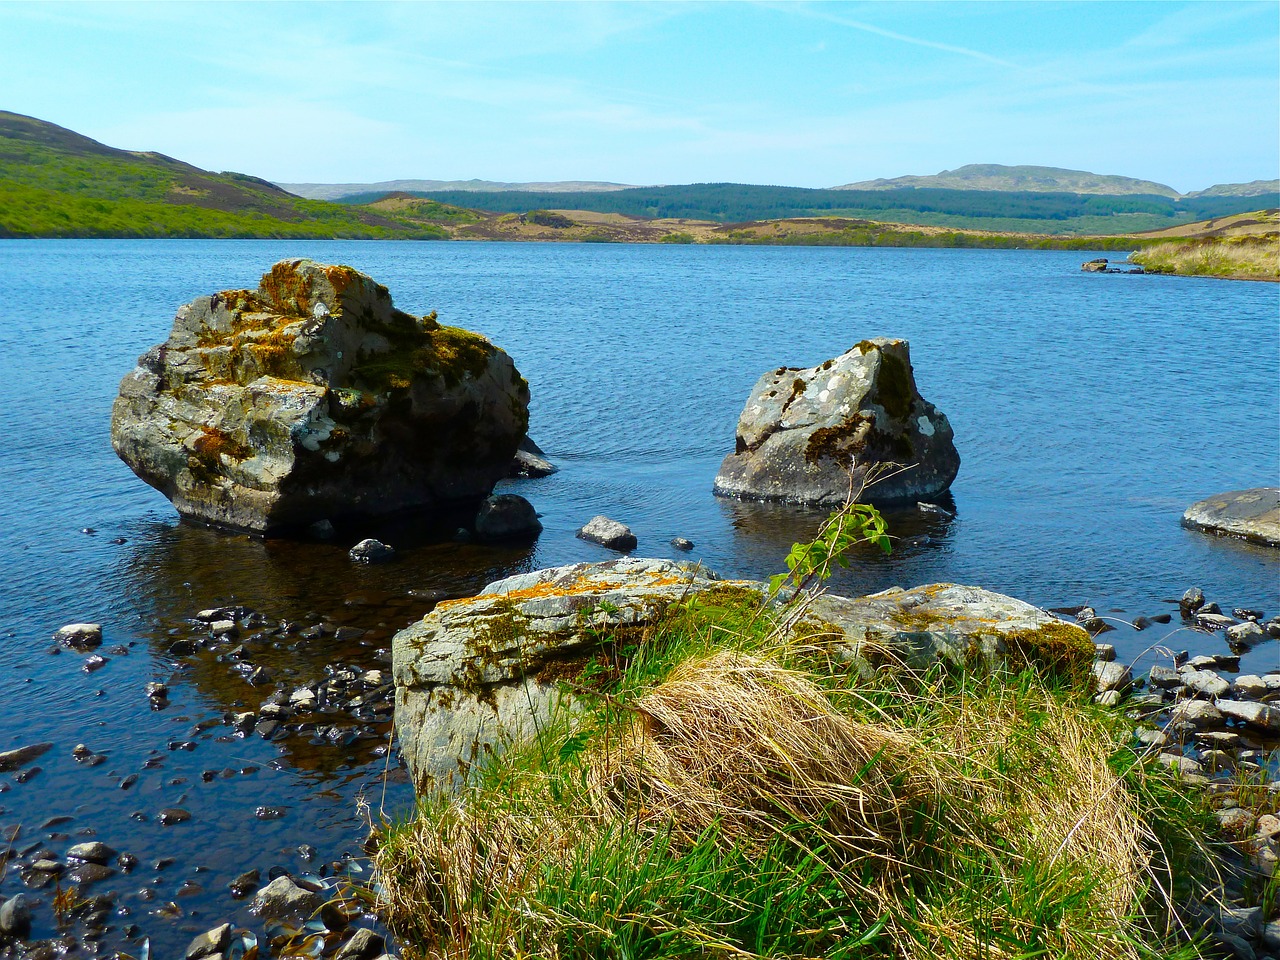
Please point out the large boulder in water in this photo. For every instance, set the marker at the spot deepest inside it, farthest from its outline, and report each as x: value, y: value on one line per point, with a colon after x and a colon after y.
x: 313, y: 397
x: 812, y: 435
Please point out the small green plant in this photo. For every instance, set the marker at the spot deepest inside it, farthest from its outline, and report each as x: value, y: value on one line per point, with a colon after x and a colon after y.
x: 812, y: 563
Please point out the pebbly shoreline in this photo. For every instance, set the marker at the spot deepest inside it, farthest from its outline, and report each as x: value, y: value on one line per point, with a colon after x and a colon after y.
x: 1197, y: 714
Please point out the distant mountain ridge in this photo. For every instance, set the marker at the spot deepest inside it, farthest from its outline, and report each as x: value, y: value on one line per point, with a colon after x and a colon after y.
x: 1031, y: 179
x: 986, y: 177
x: 995, y: 176
x: 1254, y: 188
x: 336, y: 191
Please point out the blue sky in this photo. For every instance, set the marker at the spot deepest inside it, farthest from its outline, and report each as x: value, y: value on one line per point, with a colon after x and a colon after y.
x: 803, y: 94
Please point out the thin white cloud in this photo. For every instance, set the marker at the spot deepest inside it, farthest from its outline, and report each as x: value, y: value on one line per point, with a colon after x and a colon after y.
x: 818, y: 13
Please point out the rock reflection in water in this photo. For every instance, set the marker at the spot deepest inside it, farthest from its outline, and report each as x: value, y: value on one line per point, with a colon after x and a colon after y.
x: 766, y: 530
x: 308, y: 621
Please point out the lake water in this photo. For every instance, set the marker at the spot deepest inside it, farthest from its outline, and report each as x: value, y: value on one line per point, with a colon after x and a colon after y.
x: 1089, y: 411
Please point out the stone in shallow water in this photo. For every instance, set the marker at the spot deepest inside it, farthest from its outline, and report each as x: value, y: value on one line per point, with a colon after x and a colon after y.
x: 608, y: 533
x: 371, y: 551
x: 814, y: 435
x: 80, y: 636
x: 1252, y: 515
x: 507, y: 516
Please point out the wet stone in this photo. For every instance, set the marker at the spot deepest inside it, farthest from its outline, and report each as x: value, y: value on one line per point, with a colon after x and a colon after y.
x: 1192, y: 600
x: 85, y: 874
x: 245, y: 885
x: 15, y: 917
x: 93, y: 852
x: 21, y: 756
x: 80, y: 636
x: 210, y: 942
x: 1245, y: 633
x: 363, y: 945
x: 371, y: 551
x: 173, y: 815
x: 1205, y: 683
x: 285, y: 899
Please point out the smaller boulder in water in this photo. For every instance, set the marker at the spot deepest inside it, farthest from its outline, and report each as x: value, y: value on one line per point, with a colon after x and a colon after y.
x: 507, y: 516
x: 371, y: 551
x: 816, y: 435
x: 608, y: 533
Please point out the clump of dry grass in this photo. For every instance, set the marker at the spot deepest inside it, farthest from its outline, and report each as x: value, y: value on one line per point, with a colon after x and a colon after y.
x: 733, y: 804
x: 1250, y: 257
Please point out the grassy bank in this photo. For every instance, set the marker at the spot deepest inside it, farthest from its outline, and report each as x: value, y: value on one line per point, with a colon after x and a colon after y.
x: 1255, y: 258
x: 724, y: 793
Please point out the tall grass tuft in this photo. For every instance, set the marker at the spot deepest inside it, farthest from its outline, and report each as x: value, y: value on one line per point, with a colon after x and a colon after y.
x: 730, y: 795
x: 1249, y: 257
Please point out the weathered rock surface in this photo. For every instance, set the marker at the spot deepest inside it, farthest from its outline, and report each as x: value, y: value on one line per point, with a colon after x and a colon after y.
x: 313, y: 397
x: 530, y: 462
x: 608, y: 533
x: 810, y: 435
x: 477, y: 670
x: 1252, y: 515
x: 953, y: 623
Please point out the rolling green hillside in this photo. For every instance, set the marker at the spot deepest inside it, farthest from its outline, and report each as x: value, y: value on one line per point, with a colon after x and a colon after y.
x: 56, y: 183
x: 1018, y: 211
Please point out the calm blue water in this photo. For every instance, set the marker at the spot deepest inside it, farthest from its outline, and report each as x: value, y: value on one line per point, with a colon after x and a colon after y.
x: 1089, y: 412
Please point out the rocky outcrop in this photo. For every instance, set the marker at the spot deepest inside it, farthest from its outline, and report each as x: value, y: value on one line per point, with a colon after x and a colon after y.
x: 481, y: 669
x: 812, y: 435
x: 486, y: 667
x: 1252, y: 515
x: 313, y: 397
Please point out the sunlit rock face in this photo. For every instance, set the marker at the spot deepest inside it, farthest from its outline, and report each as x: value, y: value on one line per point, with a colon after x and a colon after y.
x: 314, y: 398
x: 815, y: 435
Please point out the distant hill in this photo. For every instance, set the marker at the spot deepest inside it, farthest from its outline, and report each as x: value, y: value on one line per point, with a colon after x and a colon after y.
x: 994, y: 176
x: 338, y: 191
x: 55, y: 182
x: 1270, y: 189
x: 1013, y: 211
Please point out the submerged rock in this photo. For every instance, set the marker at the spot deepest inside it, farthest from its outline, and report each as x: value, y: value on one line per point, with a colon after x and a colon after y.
x: 814, y: 435
x: 507, y: 516
x: 1252, y: 515
x: 477, y: 670
x: 314, y: 398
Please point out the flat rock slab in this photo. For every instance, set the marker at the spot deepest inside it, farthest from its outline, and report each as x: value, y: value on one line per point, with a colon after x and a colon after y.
x: 481, y: 669
x: 1252, y: 515
x: 953, y: 623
